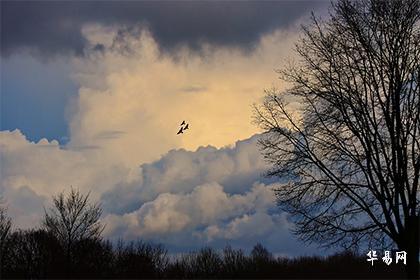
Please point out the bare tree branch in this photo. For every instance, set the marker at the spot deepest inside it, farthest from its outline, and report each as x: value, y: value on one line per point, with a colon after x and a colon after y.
x: 351, y: 150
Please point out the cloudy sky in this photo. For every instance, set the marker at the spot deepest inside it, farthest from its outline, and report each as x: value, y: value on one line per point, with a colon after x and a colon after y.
x: 92, y: 94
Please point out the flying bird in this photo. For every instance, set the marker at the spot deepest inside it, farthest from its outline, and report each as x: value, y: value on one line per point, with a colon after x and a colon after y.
x: 184, y: 126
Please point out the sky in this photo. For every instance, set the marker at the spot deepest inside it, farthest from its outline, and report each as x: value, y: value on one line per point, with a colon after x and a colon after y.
x: 92, y: 95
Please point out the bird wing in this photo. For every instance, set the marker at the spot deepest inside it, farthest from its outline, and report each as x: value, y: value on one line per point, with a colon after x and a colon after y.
x: 186, y: 127
x: 180, y: 131
x: 183, y: 122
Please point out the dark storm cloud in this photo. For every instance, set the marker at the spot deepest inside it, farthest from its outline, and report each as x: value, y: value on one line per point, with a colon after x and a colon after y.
x: 55, y: 27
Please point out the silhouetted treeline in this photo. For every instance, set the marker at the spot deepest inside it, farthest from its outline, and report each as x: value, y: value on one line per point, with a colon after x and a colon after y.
x: 39, y: 254
x: 69, y: 244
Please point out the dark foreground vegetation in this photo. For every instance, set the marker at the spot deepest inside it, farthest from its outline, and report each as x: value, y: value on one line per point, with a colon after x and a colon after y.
x: 69, y: 244
x: 38, y: 254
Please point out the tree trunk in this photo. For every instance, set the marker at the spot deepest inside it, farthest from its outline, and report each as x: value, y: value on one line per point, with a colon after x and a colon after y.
x: 411, y: 246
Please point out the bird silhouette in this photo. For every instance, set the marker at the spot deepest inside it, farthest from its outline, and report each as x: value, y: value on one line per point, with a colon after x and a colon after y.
x: 180, y: 131
x: 186, y: 127
x: 183, y: 122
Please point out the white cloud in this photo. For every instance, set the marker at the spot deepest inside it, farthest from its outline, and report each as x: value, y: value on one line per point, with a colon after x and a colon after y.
x: 184, y: 199
x: 25, y: 206
x: 206, y: 205
x: 134, y: 88
x: 123, y: 145
x: 254, y: 225
x: 180, y: 171
x: 47, y: 168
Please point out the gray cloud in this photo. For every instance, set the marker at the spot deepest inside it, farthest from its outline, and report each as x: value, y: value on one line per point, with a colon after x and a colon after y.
x: 55, y: 27
x: 186, y: 200
x: 24, y: 206
x: 181, y: 171
x: 209, y: 197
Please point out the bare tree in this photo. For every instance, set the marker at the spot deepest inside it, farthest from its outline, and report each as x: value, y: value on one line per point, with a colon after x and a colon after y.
x: 5, y: 226
x: 73, y: 218
x: 347, y: 132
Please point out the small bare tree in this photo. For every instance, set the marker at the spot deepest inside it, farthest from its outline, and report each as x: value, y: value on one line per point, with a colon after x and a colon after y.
x: 5, y: 226
x: 351, y: 142
x: 73, y: 218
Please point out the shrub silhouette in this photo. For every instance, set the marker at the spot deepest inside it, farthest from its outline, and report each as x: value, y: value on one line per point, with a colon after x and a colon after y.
x: 5, y: 226
x: 235, y: 263
x: 32, y: 254
x: 139, y: 260
x: 92, y: 259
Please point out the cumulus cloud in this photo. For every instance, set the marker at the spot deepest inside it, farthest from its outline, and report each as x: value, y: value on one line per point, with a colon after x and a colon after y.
x: 180, y: 171
x: 205, y: 205
x: 47, y: 168
x: 248, y: 225
x: 203, y: 187
x: 24, y: 205
x: 206, y: 197
x: 132, y: 87
x: 186, y: 199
